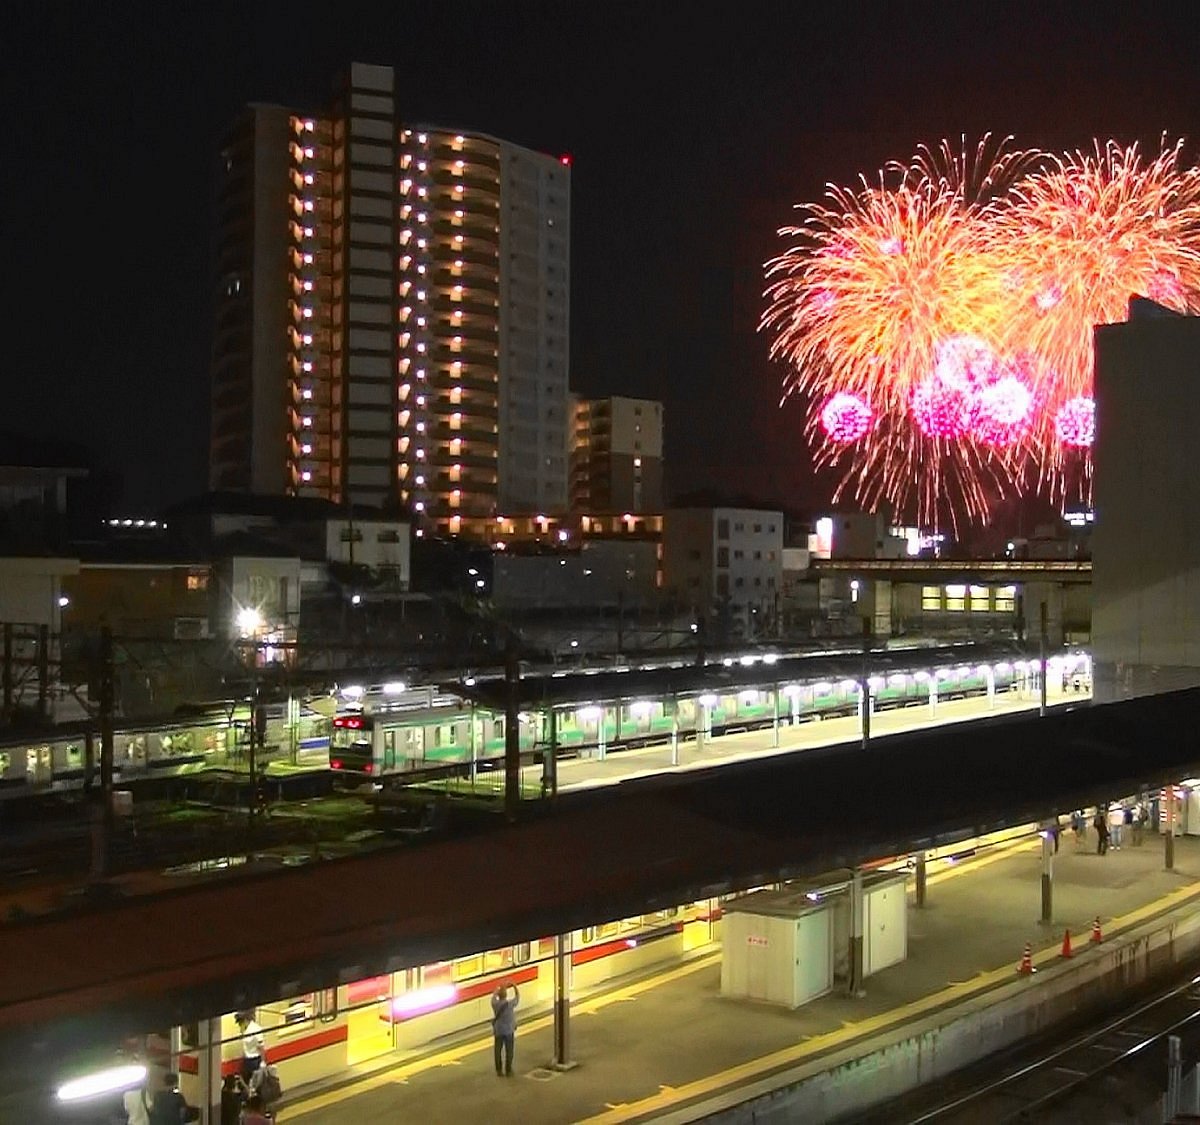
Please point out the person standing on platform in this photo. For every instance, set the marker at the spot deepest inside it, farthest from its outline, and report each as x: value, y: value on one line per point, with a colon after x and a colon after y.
x: 138, y: 1104
x: 252, y: 1043
x: 504, y: 1026
x: 1100, y: 823
x: 1116, y: 823
x: 1129, y: 828
x: 1079, y: 827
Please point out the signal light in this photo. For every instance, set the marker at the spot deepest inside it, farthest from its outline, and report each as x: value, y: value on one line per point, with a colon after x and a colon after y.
x: 335, y: 764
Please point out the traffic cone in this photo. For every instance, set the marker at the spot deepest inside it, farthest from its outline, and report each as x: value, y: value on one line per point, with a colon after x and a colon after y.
x: 1066, y: 946
x: 1026, y: 965
x: 1097, y: 936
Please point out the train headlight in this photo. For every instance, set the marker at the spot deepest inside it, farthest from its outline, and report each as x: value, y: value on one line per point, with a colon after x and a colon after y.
x: 102, y: 1082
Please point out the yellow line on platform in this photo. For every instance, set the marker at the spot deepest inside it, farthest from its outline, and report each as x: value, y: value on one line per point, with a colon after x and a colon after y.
x: 453, y: 1056
x: 789, y: 1056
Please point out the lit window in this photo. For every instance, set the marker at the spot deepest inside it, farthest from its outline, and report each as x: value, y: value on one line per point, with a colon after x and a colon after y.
x: 980, y: 601
x: 306, y: 422
x: 308, y: 177
x: 306, y: 394
x: 308, y: 232
x: 309, y: 126
x: 419, y: 506
x: 308, y: 205
x: 306, y: 339
x: 306, y: 475
x: 306, y: 366
x: 422, y: 138
x: 456, y: 292
x: 308, y: 314
x: 419, y: 480
x: 456, y: 421
x: 308, y: 152
x: 420, y: 322
x: 420, y: 400
x: 456, y: 394
x: 931, y: 598
x: 956, y: 598
x: 422, y: 193
x: 308, y: 286
x: 637, y: 462
x: 306, y: 449
x: 455, y: 472
x: 421, y: 347
x: 420, y: 269
x: 420, y: 427
x: 420, y: 455
x: 458, y: 165
x: 420, y: 294
x: 308, y: 258
x: 458, y: 214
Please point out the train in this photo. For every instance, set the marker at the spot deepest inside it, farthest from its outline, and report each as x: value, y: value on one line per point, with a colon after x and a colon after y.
x: 389, y: 739
x: 318, y: 1035
x: 211, y: 737
x: 392, y: 734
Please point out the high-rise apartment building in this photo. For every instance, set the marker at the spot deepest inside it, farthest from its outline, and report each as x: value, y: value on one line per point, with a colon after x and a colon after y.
x: 392, y: 313
x: 617, y: 455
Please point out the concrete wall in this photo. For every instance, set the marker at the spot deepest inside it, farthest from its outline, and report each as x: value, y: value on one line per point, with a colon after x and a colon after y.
x: 895, y: 1062
x: 1146, y: 542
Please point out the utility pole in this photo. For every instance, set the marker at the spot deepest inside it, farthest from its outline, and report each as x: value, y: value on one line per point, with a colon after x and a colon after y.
x: 8, y: 669
x: 866, y: 683
x: 512, y: 731
x: 102, y: 817
x: 1042, y: 662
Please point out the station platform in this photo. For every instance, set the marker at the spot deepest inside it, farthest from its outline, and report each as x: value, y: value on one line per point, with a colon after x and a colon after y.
x: 651, y: 1048
x: 592, y: 772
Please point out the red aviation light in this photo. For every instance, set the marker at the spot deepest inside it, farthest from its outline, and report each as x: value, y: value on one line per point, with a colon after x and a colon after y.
x: 351, y: 723
x: 335, y: 764
x: 566, y: 160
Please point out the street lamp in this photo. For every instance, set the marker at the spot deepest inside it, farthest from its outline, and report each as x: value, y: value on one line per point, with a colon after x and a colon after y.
x: 249, y: 621
x: 356, y: 599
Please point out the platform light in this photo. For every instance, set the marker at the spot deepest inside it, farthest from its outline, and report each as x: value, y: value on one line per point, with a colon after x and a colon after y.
x: 921, y: 677
x: 746, y: 661
x: 897, y: 678
x: 353, y: 691
x: 823, y: 688
x: 727, y: 662
x: 356, y: 599
x: 847, y: 685
x: 63, y: 601
x: 791, y: 689
x: 771, y: 658
x: 875, y: 683
x: 102, y: 1082
x: 1004, y: 666
x: 707, y: 700
x: 395, y: 687
x: 641, y: 708
x: 574, y: 644
x: 469, y: 681
x: 588, y: 714
x: 748, y: 696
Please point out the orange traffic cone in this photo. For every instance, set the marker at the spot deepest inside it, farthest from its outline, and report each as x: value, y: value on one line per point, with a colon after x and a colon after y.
x: 1026, y: 965
x: 1066, y: 946
x: 1097, y: 936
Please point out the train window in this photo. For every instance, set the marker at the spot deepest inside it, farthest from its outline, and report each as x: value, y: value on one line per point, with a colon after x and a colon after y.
x: 1006, y: 597
x: 74, y: 754
x: 956, y: 598
x: 587, y: 934
x: 980, y: 599
x: 325, y: 1005
x: 498, y: 728
x: 522, y: 953
x: 297, y: 1011
x: 931, y: 597
x: 465, y: 967
x: 5, y: 761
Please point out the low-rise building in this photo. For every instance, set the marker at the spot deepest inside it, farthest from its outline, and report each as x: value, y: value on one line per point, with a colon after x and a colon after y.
x: 725, y: 561
x: 617, y: 455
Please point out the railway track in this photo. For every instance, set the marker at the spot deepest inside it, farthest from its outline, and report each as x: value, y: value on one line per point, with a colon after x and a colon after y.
x: 1116, y: 1071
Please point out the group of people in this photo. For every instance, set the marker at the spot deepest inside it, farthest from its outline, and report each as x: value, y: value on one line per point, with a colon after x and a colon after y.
x: 247, y: 1097
x: 1114, y: 824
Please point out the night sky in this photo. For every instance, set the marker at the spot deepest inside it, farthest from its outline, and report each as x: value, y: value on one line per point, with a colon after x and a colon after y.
x: 694, y: 128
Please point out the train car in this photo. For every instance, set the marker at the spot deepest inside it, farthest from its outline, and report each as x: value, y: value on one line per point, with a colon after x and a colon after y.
x: 216, y: 737
x: 319, y: 1035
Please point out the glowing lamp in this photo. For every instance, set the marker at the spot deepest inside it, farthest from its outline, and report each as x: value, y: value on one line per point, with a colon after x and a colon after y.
x: 108, y: 1081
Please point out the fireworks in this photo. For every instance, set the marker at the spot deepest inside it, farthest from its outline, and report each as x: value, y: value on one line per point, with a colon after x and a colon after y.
x: 845, y: 418
x: 957, y: 295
